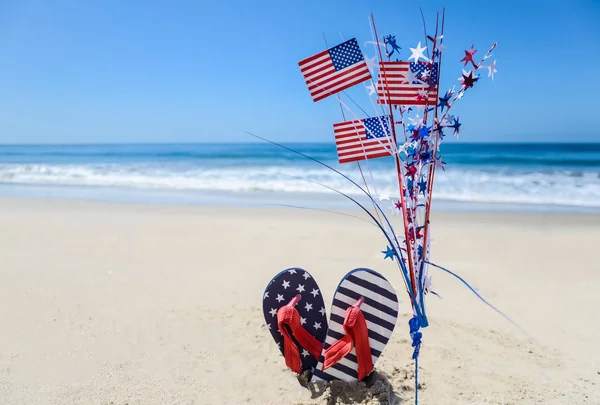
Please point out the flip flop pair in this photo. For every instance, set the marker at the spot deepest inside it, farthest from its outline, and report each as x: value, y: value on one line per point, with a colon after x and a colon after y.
x: 362, y: 318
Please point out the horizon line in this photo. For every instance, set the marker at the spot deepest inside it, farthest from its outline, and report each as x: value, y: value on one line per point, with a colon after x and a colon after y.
x: 458, y: 142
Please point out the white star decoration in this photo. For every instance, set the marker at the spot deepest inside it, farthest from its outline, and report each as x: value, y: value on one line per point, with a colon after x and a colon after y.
x: 418, y: 53
x: 306, y: 276
x: 410, y: 77
x: 266, y: 295
x: 371, y: 88
x: 308, y: 307
x: 285, y: 284
x: 317, y: 325
x: 492, y: 69
x: 371, y: 63
x: 300, y: 288
x: 273, y: 312
x: 305, y: 353
x: 279, y: 298
x: 302, y: 321
x: 315, y: 292
x: 292, y: 271
x: 322, y: 311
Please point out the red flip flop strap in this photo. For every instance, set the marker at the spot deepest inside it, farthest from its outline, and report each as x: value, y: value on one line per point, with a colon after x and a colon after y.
x: 288, y: 315
x: 360, y: 333
x: 357, y: 336
x: 337, y: 351
x: 305, y: 339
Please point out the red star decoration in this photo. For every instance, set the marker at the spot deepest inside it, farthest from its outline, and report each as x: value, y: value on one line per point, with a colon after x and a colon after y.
x: 469, y: 80
x: 398, y: 205
x: 421, y: 97
x: 411, y: 170
x: 469, y: 57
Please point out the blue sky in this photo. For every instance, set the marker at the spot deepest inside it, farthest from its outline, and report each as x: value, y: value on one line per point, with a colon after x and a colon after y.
x: 189, y: 71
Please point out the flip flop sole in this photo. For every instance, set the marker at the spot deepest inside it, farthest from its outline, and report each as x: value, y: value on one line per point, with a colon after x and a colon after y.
x: 380, y: 309
x: 280, y: 291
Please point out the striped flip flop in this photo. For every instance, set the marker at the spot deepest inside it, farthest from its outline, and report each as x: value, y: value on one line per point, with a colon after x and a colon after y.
x: 295, y: 314
x: 363, y: 316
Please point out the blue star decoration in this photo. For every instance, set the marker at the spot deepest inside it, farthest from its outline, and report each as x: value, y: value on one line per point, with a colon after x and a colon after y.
x: 444, y: 100
x: 422, y: 186
x: 389, y: 252
x: 391, y: 40
x: 456, y: 126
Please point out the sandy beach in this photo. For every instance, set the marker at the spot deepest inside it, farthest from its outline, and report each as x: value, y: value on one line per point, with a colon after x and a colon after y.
x: 128, y: 304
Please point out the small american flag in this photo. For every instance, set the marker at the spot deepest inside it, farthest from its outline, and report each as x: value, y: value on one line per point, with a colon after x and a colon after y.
x: 362, y: 139
x: 334, y: 70
x: 407, y: 83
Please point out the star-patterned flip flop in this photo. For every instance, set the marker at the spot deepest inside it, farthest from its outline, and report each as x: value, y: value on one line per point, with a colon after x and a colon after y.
x: 363, y: 316
x: 295, y: 314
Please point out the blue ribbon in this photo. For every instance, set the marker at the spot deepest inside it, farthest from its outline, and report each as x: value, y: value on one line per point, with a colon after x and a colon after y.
x: 415, y: 335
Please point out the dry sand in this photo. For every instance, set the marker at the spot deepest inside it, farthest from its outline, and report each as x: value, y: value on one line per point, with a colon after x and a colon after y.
x: 125, y: 304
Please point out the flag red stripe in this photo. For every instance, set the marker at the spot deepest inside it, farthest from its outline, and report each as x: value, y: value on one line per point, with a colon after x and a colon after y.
x: 358, y: 158
x: 359, y: 79
x: 334, y: 79
x: 303, y: 63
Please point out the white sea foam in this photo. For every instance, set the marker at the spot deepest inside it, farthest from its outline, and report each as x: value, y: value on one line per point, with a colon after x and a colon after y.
x: 550, y: 187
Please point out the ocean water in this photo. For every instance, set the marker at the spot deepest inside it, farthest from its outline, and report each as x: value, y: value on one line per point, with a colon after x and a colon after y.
x: 487, y: 176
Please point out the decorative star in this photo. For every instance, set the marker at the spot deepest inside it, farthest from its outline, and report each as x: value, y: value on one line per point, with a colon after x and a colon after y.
x: 411, y: 170
x: 305, y: 353
x: 308, y: 307
x: 266, y: 295
x: 492, y: 69
x: 421, y: 95
x: 410, y: 77
x: 469, y: 57
x: 279, y: 298
x: 292, y: 271
x: 306, y: 276
x: 469, y: 80
x: 322, y: 311
x: 422, y: 186
x: 285, y: 284
x: 389, y: 252
x: 371, y: 63
x: 444, y: 100
x: 398, y: 205
x: 440, y: 163
x: 391, y: 40
x: 315, y: 292
x: 456, y: 126
x: 300, y: 288
x: 418, y: 53
x: 273, y: 312
x: 371, y: 88
x: 302, y: 321
x: 317, y: 325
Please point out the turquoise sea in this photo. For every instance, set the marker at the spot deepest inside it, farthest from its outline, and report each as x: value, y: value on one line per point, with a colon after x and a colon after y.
x: 477, y: 176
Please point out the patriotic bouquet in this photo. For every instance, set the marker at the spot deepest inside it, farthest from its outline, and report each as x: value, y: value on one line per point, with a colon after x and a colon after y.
x: 410, y: 122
